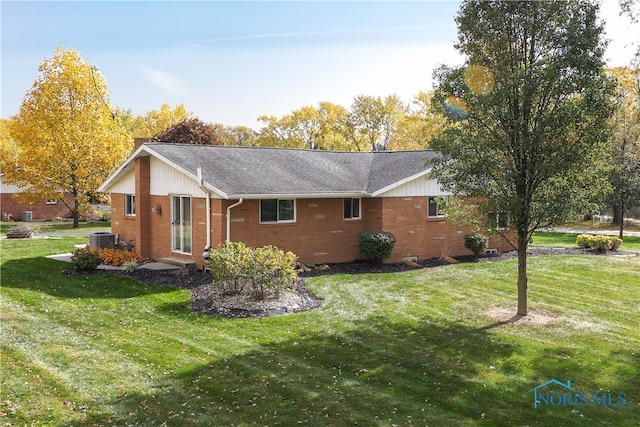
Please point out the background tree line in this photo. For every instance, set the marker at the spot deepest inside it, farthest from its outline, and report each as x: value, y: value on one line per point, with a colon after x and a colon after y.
x: 371, y: 123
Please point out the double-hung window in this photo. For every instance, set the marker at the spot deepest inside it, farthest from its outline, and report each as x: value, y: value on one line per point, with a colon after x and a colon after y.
x: 435, y: 209
x: 277, y: 210
x: 351, y: 208
x: 498, y: 220
x: 130, y: 204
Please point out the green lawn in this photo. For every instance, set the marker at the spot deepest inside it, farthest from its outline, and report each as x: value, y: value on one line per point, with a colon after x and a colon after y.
x: 414, y: 348
x: 44, y: 227
x: 568, y: 240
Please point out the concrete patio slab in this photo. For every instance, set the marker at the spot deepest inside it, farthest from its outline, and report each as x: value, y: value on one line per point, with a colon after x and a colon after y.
x: 160, y: 266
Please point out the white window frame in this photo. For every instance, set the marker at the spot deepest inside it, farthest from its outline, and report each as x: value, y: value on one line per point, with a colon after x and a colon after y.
x: 130, y: 210
x: 278, y: 220
x: 181, y: 232
x: 494, y: 219
x: 352, y: 200
x: 51, y: 202
x: 438, y: 214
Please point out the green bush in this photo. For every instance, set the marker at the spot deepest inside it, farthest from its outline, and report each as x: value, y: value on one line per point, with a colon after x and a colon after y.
x: 238, y: 269
x: 583, y: 240
x: 84, y: 259
x: 376, y: 244
x: 272, y: 271
x: 476, y: 243
x: 598, y: 242
x: 228, y: 266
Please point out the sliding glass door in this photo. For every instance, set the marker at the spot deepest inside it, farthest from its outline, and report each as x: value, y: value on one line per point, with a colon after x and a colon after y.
x: 181, y: 224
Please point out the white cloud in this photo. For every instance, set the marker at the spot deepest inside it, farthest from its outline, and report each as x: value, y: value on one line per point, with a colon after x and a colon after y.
x: 165, y: 81
x: 623, y: 35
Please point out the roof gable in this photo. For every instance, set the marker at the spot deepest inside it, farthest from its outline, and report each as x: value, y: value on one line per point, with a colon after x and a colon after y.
x: 234, y: 172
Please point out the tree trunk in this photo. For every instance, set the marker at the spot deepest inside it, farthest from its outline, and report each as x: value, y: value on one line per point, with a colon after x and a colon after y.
x: 522, y: 278
x: 617, y: 214
x: 622, y: 216
x: 76, y: 217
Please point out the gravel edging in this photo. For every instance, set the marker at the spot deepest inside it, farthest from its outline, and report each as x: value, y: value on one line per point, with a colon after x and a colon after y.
x: 210, y: 300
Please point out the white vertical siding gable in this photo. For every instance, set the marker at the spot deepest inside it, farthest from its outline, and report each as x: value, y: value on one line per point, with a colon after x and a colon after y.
x: 166, y: 180
x: 418, y: 187
x: 125, y: 185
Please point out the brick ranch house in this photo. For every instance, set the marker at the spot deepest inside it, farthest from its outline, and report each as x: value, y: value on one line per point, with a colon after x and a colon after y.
x: 12, y: 209
x: 174, y: 200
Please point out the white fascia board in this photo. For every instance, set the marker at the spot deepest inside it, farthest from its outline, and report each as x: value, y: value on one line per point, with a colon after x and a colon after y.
x: 399, y: 183
x: 299, y: 196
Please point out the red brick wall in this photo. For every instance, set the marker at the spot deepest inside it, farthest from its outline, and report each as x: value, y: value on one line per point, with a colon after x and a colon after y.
x: 158, y: 219
x: 421, y: 236
x: 143, y: 207
x: 41, y: 211
x: 320, y: 234
x: 417, y: 234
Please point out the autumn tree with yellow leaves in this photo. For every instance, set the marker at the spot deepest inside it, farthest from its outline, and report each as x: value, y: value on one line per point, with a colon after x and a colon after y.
x: 67, y: 138
x: 157, y: 121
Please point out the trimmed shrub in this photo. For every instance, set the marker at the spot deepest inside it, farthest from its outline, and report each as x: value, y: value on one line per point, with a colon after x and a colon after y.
x: 583, y: 240
x: 272, y: 271
x: 376, y: 244
x: 598, y: 242
x: 476, y: 243
x: 228, y: 266
x: 84, y: 259
x: 238, y: 269
x: 615, y: 243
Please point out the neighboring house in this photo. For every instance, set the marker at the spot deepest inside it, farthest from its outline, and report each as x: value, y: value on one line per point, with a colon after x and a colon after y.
x: 174, y: 200
x: 12, y: 209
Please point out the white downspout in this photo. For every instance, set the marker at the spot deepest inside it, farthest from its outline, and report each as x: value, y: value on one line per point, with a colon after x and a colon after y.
x: 207, y: 248
x: 229, y: 218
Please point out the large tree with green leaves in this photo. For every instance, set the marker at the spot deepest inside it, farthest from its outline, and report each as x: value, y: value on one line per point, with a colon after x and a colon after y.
x: 531, y: 108
x: 67, y: 138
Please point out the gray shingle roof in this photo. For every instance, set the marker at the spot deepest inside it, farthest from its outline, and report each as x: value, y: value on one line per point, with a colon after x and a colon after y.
x: 243, y: 171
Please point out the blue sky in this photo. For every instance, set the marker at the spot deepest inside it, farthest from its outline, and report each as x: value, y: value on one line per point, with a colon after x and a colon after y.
x: 230, y: 62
